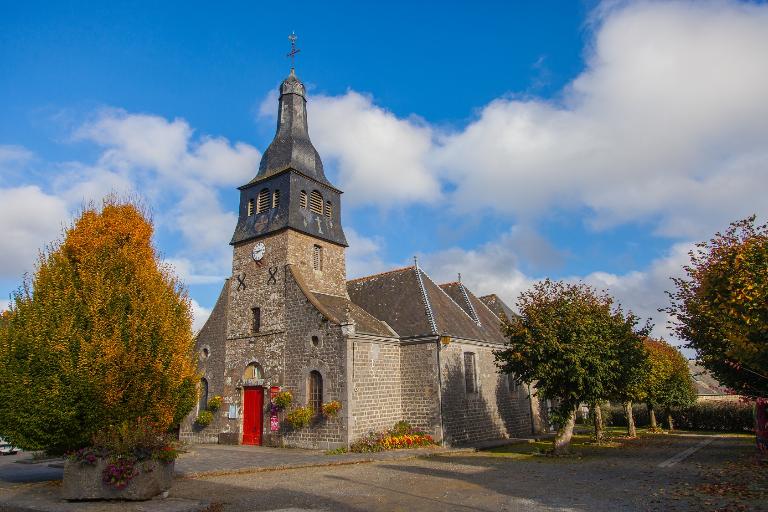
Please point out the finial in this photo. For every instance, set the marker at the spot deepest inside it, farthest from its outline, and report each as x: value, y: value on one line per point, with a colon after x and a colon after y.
x: 459, y: 276
x: 292, y: 54
x: 415, y: 262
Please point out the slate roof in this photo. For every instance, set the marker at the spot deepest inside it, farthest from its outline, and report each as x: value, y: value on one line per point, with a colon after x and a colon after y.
x: 498, y: 306
x: 706, y: 385
x: 364, y: 321
x: 397, y: 298
x: 479, y: 310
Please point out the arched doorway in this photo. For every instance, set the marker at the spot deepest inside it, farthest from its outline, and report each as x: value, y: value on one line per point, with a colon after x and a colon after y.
x: 253, y: 404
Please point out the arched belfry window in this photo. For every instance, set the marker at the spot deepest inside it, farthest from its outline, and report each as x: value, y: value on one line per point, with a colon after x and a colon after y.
x: 275, y: 199
x: 328, y: 209
x: 315, y: 392
x: 203, y: 403
x: 250, y: 207
x: 316, y: 202
x: 303, y: 199
x: 262, y: 203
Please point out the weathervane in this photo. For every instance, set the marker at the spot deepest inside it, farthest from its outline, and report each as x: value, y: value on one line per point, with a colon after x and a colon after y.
x: 292, y: 54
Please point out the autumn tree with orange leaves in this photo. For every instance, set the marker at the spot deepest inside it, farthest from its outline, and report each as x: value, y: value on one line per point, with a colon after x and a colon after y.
x: 99, y: 336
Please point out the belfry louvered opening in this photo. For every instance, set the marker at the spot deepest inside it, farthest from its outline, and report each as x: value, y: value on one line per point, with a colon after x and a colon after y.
x: 262, y: 203
x: 316, y: 202
x: 275, y: 199
x: 303, y: 199
x: 328, y: 209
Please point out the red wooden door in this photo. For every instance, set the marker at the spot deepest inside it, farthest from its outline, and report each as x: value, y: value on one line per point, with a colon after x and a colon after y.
x: 253, y: 403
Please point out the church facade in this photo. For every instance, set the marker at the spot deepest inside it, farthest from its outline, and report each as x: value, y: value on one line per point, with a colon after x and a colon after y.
x: 389, y: 347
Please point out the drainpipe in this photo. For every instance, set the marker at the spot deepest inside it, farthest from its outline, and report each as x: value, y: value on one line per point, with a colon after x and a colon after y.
x: 440, y: 391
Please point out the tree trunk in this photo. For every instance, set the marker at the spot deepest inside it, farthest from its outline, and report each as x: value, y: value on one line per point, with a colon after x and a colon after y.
x: 670, y: 423
x: 631, y: 430
x: 652, y: 417
x: 597, y: 412
x: 562, y: 442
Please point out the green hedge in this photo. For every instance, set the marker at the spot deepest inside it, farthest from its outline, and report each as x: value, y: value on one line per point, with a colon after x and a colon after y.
x: 718, y: 416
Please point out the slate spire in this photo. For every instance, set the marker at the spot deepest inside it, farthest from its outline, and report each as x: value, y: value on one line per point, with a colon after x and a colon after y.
x: 291, y: 147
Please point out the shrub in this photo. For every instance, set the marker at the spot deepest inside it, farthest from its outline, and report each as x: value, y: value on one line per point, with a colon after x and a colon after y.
x: 283, y: 399
x: 214, y: 404
x: 204, y: 418
x: 720, y: 416
x: 402, y: 427
x: 331, y: 409
x: 100, y: 334
x: 725, y: 416
x: 300, y: 417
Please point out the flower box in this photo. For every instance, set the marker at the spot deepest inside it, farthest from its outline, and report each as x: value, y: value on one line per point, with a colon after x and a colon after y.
x: 86, y: 481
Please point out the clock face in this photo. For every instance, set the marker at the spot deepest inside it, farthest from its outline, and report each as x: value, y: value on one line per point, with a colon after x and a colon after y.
x: 258, y: 251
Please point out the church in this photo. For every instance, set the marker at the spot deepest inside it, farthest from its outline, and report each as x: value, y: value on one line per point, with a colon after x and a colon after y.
x: 388, y: 347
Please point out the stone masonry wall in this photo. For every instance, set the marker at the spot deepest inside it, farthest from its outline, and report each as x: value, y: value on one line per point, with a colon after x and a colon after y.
x: 494, y: 412
x: 301, y: 357
x: 332, y: 279
x: 376, y: 387
x: 420, y: 387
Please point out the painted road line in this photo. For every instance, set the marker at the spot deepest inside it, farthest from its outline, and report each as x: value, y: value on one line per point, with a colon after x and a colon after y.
x: 685, y: 453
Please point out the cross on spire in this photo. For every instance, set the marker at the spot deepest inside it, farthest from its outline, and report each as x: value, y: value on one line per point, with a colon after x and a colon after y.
x: 292, y: 54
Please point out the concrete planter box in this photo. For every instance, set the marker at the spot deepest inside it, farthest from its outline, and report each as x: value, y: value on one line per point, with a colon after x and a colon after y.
x: 84, y: 482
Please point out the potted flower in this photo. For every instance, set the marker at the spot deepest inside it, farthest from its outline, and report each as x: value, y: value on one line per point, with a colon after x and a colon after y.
x: 283, y: 399
x: 214, y: 404
x: 331, y: 409
x: 299, y: 418
x: 130, y: 462
x: 204, y: 418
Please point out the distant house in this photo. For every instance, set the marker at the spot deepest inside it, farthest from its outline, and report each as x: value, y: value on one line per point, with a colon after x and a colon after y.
x: 707, y: 387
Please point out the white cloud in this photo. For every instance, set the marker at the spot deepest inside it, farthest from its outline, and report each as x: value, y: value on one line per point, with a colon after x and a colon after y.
x: 4, y: 304
x: 364, y: 255
x: 381, y: 159
x: 199, y: 315
x: 10, y: 154
x: 29, y: 219
x: 667, y: 124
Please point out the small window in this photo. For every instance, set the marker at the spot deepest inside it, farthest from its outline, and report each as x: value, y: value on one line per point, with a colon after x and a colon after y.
x: 315, y: 341
x: 315, y: 394
x: 256, y: 326
x: 512, y: 383
x: 328, y: 209
x: 316, y: 202
x: 470, y: 376
x: 262, y: 203
x: 303, y: 199
x: 205, y: 352
x: 317, y: 257
x: 253, y: 372
x: 203, y: 403
x: 250, y: 207
x: 275, y: 199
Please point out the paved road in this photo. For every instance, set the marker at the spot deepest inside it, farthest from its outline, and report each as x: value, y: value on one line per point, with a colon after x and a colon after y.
x: 12, y: 473
x: 625, y: 480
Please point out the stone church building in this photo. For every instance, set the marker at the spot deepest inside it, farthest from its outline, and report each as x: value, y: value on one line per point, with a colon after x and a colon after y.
x: 389, y: 347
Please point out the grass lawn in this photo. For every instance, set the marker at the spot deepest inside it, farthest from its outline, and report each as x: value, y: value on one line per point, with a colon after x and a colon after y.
x: 582, y: 443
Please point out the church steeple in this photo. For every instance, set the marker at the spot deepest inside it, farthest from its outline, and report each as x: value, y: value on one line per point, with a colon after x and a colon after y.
x: 290, y: 190
x: 291, y: 147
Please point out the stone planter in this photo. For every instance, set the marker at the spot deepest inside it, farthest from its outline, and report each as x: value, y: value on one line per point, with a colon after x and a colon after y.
x: 84, y: 482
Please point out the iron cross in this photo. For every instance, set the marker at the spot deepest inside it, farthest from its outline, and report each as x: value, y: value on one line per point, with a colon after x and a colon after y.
x: 292, y: 54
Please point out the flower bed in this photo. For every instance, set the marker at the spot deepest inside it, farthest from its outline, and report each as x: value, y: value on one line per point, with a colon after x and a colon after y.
x: 129, y: 462
x: 400, y: 437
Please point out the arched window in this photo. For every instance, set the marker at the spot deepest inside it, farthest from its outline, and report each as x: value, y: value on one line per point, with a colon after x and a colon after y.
x: 275, y: 199
x: 303, y: 199
x: 263, y: 201
x: 315, y: 394
x: 328, y: 209
x: 316, y: 202
x: 250, y: 207
x: 203, y: 403
x: 253, y: 372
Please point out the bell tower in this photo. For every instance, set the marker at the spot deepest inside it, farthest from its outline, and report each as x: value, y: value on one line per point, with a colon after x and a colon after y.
x: 289, y: 214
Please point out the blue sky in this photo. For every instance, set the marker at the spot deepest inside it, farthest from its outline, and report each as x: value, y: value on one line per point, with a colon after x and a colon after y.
x: 508, y: 141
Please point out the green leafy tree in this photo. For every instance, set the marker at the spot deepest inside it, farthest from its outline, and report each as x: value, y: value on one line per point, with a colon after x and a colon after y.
x: 721, y: 306
x: 634, y: 367
x: 571, y: 341
x: 669, y: 383
x: 99, y: 336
